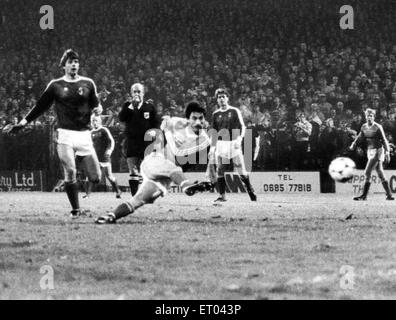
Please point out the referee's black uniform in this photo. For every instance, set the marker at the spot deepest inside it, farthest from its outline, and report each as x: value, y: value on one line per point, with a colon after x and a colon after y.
x: 137, y: 121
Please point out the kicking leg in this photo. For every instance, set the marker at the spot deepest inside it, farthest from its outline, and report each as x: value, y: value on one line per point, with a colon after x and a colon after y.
x: 188, y: 187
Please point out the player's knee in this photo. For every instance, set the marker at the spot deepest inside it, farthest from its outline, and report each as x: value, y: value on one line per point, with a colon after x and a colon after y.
x: 70, y: 174
x: 95, y: 177
x: 176, y: 173
x: 381, y: 174
x: 148, y: 192
x: 94, y: 180
x: 136, y: 202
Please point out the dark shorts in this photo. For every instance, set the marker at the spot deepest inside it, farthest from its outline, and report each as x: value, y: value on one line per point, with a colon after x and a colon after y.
x: 104, y: 158
x: 136, y: 148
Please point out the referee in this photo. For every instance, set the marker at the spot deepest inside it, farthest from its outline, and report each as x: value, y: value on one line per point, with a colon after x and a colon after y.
x: 140, y: 118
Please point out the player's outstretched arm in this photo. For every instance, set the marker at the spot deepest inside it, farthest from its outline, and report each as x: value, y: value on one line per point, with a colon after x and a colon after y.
x: 14, y: 129
x: 42, y: 105
x: 170, y: 123
x: 353, y: 145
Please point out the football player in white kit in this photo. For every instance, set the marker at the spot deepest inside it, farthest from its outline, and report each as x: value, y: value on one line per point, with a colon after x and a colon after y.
x: 181, y: 138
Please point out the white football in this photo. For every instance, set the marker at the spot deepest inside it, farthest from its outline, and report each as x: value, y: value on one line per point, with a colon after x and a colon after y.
x: 342, y: 169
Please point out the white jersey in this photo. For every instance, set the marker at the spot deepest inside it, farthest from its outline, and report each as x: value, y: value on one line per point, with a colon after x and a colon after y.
x: 181, y: 140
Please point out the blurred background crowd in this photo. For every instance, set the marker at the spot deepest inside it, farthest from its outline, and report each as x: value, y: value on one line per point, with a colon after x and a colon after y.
x: 285, y: 62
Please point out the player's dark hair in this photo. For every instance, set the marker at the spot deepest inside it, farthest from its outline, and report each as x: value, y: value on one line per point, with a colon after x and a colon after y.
x: 68, y: 54
x: 194, y: 106
x: 370, y: 111
x: 222, y: 91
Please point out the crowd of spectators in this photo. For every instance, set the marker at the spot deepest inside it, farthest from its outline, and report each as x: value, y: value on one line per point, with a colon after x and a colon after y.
x: 286, y: 63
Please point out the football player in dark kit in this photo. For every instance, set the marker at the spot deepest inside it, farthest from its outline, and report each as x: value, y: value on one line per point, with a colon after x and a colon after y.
x: 140, y: 118
x: 103, y: 142
x: 377, y: 153
x: 75, y: 99
x: 226, y: 144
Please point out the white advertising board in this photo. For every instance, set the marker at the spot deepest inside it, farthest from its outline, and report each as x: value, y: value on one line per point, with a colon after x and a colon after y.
x: 263, y: 182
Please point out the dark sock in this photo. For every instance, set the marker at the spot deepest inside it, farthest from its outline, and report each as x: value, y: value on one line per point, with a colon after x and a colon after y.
x: 246, y: 182
x: 123, y: 210
x: 366, y: 188
x: 385, y: 184
x: 134, y: 185
x: 72, y: 193
x: 221, y: 184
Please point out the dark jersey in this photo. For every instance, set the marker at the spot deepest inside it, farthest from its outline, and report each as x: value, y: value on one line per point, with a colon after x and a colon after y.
x: 74, y: 102
x: 228, y: 123
x: 373, y: 134
x: 137, y: 122
x: 102, y: 141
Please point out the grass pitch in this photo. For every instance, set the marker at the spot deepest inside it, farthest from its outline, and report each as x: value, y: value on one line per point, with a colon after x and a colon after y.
x: 282, y: 247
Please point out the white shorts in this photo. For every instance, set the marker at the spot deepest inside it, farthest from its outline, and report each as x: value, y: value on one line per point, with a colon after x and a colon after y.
x: 80, y: 141
x: 105, y: 164
x: 157, y: 169
x: 226, y: 149
x: 378, y: 154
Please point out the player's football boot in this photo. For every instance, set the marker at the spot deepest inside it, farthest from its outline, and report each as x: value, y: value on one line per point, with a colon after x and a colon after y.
x: 107, y: 218
x: 252, y: 196
x: 118, y: 195
x: 221, y: 199
x: 85, y: 196
x: 75, y: 213
x: 389, y: 196
x: 249, y: 188
x: 198, y: 187
x: 363, y: 196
